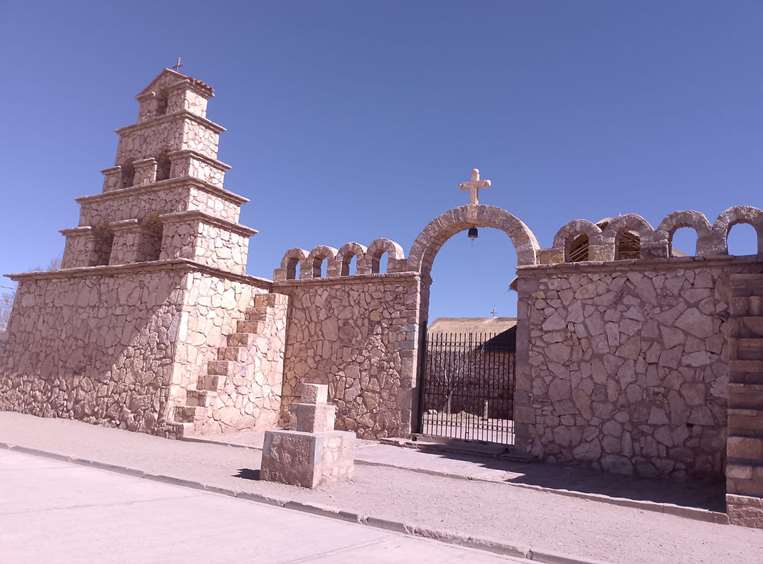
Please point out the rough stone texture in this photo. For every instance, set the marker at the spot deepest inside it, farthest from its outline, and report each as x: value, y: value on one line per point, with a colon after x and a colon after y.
x: 307, y: 459
x: 100, y: 349
x: 206, y: 240
x: 627, y: 365
x: 358, y: 335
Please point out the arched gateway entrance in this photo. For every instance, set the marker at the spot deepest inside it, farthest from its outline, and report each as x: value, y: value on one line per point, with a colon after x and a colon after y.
x: 480, y: 373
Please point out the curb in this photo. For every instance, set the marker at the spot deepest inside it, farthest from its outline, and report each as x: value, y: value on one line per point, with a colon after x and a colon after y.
x: 704, y: 515
x: 448, y: 537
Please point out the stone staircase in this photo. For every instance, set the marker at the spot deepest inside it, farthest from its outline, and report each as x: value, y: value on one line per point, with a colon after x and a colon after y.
x: 235, y: 361
x: 744, y: 471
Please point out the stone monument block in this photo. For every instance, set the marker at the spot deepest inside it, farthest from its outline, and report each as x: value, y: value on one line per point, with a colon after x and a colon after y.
x: 313, y: 452
x: 307, y: 459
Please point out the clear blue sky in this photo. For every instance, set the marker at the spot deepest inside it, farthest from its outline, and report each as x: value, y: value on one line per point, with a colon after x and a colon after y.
x: 353, y: 120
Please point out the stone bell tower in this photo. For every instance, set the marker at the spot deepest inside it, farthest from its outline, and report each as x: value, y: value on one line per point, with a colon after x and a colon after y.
x: 152, y: 323
x: 164, y: 199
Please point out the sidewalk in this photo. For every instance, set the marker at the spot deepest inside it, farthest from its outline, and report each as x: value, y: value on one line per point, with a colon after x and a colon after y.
x: 689, y: 499
x: 385, y: 496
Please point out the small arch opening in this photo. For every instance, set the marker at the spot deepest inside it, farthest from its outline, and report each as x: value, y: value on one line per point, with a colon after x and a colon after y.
x: 163, y: 166
x: 152, y: 240
x: 293, y: 269
x: 742, y: 240
x: 349, y: 265
x: 576, y: 249
x: 104, y: 241
x: 128, y: 174
x: 627, y: 245
x: 683, y: 242
x: 380, y: 263
x: 162, y: 102
x: 320, y: 267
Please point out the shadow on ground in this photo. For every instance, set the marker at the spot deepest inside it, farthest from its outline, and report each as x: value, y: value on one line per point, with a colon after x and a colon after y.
x: 708, y: 495
x: 247, y: 474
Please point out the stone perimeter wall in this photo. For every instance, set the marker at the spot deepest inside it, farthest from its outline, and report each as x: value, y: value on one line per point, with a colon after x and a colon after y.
x: 358, y: 335
x: 124, y: 346
x: 628, y: 368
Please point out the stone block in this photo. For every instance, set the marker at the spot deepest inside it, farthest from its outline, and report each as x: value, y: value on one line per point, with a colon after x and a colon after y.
x: 745, y: 511
x: 307, y: 459
x: 312, y: 418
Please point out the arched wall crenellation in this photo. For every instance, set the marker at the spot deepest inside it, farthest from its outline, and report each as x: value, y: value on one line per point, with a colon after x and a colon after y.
x: 653, y: 243
x: 311, y: 266
x: 368, y: 260
x: 344, y: 256
x: 603, y: 240
x: 734, y: 216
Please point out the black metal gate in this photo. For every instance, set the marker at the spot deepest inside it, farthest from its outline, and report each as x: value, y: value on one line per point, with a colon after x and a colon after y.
x: 468, y: 387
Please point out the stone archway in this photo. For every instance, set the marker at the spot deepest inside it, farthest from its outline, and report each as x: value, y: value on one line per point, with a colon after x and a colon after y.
x: 443, y: 227
x: 433, y: 237
x: 421, y: 258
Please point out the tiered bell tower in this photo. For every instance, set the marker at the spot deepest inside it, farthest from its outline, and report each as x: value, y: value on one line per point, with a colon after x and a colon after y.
x: 152, y: 323
x: 164, y: 199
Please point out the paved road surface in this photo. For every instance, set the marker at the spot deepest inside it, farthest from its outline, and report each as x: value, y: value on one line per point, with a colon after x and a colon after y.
x: 53, y: 511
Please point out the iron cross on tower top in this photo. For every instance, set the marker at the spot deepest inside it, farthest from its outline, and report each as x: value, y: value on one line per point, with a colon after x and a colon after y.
x: 178, y: 64
x: 474, y: 186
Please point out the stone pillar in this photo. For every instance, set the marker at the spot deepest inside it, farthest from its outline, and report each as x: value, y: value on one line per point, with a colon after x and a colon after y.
x: 145, y: 171
x: 112, y: 178
x: 313, y: 453
x: 81, y: 247
x: 744, y: 445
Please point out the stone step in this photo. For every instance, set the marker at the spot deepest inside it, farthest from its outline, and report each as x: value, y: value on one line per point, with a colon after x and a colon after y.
x: 187, y: 414
x: 200, y: 398
x: 748, y: 305
x: 746, y: 348
x: 241, y: 339
x: 238, y: 354
x: 744, y: 449
x: 211, y: 382
x: 180, y: 430
x: 745, y: 396
x: 746, y: 371
x: 749, y: 326
x: 244, y: 326
x: 745, y: 422
x: 746, y: 284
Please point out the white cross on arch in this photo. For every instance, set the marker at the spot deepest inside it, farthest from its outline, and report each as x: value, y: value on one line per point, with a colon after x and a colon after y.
x: 474, y: 186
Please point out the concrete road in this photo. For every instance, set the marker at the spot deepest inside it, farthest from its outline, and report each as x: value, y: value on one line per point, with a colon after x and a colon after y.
x: 52, y: 511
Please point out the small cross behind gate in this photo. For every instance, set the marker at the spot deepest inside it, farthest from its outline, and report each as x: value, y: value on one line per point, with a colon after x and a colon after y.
x: 474, y: 186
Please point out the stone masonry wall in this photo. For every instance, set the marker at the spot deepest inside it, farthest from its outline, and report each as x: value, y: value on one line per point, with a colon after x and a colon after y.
x: 356, y: 334
x: 174, y: 132
x: 627, y: 365
x: 98, y: 348
x: 123, y: 346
